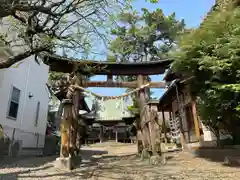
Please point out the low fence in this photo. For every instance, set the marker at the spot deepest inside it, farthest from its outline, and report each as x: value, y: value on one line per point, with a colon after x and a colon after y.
x: 19, y: 142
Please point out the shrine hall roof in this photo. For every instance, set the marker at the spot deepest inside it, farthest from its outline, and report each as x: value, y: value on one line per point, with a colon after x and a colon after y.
x: 112, y: 110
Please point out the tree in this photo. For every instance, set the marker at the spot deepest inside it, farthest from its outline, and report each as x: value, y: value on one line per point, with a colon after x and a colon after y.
x: 145, y: 36
x: 36, y: 26
x: 211, y: 55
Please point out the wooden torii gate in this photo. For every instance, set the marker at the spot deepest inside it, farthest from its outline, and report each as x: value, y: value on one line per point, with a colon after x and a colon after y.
x: 70, y: 121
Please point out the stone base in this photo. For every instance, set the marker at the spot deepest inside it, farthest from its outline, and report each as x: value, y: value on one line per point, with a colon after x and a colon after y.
x: 64, y: 163
x: 155, y: 160
x: 232, y: 161
x: 145, y: 154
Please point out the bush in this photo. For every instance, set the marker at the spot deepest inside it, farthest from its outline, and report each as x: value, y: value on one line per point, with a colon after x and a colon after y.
x: 51, y: 146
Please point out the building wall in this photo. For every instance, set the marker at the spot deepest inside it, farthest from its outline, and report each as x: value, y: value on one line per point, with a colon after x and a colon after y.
x: 29, y: 77
x: 185, y: 100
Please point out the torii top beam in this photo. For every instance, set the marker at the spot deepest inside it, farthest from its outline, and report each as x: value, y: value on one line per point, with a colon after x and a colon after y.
x: 66, y: 65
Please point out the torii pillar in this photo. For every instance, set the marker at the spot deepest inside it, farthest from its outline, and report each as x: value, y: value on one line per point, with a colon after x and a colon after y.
x: 65, y: 160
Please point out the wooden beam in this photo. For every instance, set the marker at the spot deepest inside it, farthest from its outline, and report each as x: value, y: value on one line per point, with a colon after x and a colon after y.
x: 113, y: 84
x: 66, y: 65
x: 109, y: 77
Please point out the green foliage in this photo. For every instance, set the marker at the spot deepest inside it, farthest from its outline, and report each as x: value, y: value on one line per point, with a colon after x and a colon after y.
x: 144, y: 36
x: 153, y: 1
x: 211, y: 54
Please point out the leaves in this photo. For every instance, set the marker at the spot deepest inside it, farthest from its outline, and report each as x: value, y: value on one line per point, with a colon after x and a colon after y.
x: 146, y: 36
x: 143, y: 36
x: 211, y: 54
x: 153, y: 1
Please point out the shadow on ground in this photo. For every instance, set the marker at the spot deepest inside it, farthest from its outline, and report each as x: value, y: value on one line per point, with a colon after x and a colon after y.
x: 218, y: 154
x: 96, y: 164
x: 25, y: 161
x: 29, y: 164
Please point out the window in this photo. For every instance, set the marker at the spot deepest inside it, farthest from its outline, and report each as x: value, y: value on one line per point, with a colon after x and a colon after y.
x: 37, y: 113
x: 14, y: 103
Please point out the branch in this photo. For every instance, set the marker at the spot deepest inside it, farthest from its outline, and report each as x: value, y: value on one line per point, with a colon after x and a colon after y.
x: 74, y: 22
x: 27, y: 8
x: 14, y: 59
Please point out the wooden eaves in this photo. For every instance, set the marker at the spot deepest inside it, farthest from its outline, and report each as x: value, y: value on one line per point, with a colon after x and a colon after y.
x: 165, y: 102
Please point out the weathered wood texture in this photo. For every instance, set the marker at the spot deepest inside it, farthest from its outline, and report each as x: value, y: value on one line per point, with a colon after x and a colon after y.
x: 65, y: 130
x: 196, y: 121
x: 164, y: 124
x: 141, y: 135
x: 148, y: 127
x: 71, y: 126
x: 65, y: 65
x: 151, y: 130
x: 156, y: 127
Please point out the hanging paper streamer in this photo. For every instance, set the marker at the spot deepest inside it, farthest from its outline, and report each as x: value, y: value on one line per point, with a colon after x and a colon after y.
x: 175, y: 127
x: 100, y: 102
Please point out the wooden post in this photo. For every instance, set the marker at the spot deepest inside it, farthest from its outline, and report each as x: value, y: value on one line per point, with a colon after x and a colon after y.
x: 170, y: 118
x: 116, y: 134
x: 164, y: 127
x: 74, y: 123
x: 179, y: 104
x: 170, y: 115
x: 141, y: 101
x: 196, y: 122
x: 144, y: 128
x: 65, y: 133
x: 109, y: 78
x: 101, y: 134
x: 153, y: 131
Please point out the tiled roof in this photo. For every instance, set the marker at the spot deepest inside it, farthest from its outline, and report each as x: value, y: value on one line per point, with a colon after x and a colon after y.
x: 112, y: 109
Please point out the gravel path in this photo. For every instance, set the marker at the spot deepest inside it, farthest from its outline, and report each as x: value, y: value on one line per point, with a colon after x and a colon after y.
x: 118, y: 162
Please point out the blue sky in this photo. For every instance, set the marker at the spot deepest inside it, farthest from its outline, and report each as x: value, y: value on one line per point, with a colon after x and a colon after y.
x: 192, y: 11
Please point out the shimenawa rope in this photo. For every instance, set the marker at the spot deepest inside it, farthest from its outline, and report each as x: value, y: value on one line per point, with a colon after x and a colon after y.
x: 109, y: 97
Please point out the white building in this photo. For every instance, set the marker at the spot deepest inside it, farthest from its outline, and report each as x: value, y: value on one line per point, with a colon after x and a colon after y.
x: 24, y: 99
